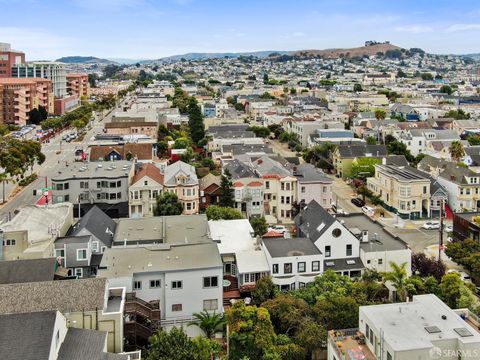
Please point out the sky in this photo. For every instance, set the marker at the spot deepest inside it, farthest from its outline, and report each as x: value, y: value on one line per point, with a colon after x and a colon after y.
x: 149, y: 29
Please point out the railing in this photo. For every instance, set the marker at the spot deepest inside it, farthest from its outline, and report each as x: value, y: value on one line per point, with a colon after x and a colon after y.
x: 137, y: 329
x: 150, y: 310
x: 133, y: 355
x: 177, y: 321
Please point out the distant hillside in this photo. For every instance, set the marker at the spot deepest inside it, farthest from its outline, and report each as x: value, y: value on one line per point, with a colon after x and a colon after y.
x: 473, y: 56
x: 84, y: 60
x: 205, y: 56
x: 348, y: 53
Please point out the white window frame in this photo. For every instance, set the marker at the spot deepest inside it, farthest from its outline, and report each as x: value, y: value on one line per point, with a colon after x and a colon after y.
x: 210, y: 279
x: 157, y: 283
x: 86, y: 252
x: 177, y: 284
x: 60, y: 256
x: 210, y: 304
x: 95, y: 246
x: 79, y: 272
x: 135, y: 287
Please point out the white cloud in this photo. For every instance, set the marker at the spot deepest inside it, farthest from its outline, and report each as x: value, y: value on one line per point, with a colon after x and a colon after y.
x: 462, y: 27
x: 414, y: 29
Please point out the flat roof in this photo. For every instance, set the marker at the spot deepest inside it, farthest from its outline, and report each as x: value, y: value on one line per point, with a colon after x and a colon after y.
x: 384, y: 241
x: 100, y: 169
x: 232, y: 236
x: 404, y: 324
x: 282, y: 247
x: 251, y: 262
x: 125, y: 261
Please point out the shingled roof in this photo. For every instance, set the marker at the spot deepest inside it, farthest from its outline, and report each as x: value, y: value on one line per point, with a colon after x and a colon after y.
x: 150, y: 171
x: 32, y: 270
x: 143, y: 151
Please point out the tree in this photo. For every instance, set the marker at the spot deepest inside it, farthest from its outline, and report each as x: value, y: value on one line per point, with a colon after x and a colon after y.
x: 371, y: 140
x: 181, y: 143
x: 265, y: 78
x: 162, y: 147
x: 215, y: 212
x: 210, y: 323
x: 78, y: 124
x: 168, y: 204
x: 363, y: 167
x: 43, y: 112
x: 450, y: 289
x: 427, y: 76
x: 260, y: 131
x: 446, y: 89
x: 457, y: 114
x: 326, y: 312
x: 467, y: 254
x: 264, y: 290
x: 398, y: 277
x: 310, y: 336
x: 259, y: 225
x: 357, y: 87
x: 456, y: 150
x: 287, y: 313
x: 195, y: 121
x: 251, y: 333
x: 425, y: 266
x: 380, y: 114
x: 396, y: 147
x: 207, y: 162
x: 35, y: 117
x: 473, y: 140
x: 4, y: 179
x: 226, y: 191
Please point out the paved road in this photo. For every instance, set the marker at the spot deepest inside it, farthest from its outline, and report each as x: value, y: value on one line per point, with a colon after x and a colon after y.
x: 54, y: 161
x: 281, y: 149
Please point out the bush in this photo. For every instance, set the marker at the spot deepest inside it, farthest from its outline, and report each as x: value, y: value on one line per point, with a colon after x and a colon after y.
x: 28, y: 180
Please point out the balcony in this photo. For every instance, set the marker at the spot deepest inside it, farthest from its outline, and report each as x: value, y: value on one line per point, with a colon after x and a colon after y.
x: 137, y: 306
x: 349, y: 344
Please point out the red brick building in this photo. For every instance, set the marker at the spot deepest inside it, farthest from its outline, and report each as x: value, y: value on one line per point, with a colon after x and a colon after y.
x: 8, y: 58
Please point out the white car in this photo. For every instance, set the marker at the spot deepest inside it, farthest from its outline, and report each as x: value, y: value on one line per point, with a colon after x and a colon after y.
x: 463, y: 275
x: 448, y: 228
x: 278, y: 228
x: 368, y: 210
x: 431, y: 225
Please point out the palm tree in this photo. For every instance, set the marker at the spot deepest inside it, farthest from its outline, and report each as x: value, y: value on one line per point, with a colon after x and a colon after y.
x: 456, y: 150
x: 210, y: 323
x: 398, y: 277
x: 4, y: 179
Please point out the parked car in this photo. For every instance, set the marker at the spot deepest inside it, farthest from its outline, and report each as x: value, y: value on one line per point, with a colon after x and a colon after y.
x: 463, y: 275
x: 431, y: 225
x: 278, y: 228
x: 368, y: 210
x: 358, y: 202
x: 338, y: 210
x: 448, y: 228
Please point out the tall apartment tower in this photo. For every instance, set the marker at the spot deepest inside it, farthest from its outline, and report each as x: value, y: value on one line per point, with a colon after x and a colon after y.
x: 9, y: 58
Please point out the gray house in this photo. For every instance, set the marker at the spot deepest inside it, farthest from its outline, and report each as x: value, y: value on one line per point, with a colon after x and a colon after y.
x: 75, y: 254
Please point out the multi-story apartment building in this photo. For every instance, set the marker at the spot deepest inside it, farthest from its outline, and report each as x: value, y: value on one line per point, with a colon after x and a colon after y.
x: 9, y: 58
x: 181, y: 179
x: 77, y: 84
x: 313, y: 184
x: 249, y: 196
x: 20, y: 96
x: 425, y: 328
x: 103, y: 184
x: 147, y: 185
x: 344, y: 155
x: 53, y: 71
x: 403, y: 190
x: 463, y: 187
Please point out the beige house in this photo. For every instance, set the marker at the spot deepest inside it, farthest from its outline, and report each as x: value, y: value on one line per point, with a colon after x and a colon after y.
x: 181, y: 179
x: 147, y: 184
x: 404, y: 190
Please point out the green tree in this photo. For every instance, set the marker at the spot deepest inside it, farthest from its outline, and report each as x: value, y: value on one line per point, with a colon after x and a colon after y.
x: 310, y: 336
x: 287, y: 313
x: 357, y: 87
x: 259, y: 225
x: 398, y: 277
x: 168, y: 204
x: 371, y: 140
x: 473, y: 140
x: 363, y: 167
x: 226, y: 191
x: 251, y: 333
x: 35, y: 117
x: 43, y: 112
x: 264, y: 290
x: 4, y: 130
x: 396, y: 147
x: 450, y: 288
x: 195, y: 121
x: 446, y: 89
x: 380, y: 114
x: 207, y: 162
x: 326, y: 312
x: 457, y: 114
x: 260, y: 131
x: 4, y: 179
x: 265, y: 78
x: 181, y: 143
x: 456, y: 150
x: 210, y: 323
x: 162, y: 147
x: 427, y: 76
x: 215, y: 212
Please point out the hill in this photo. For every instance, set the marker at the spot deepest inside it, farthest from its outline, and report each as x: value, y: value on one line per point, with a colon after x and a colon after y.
x: 84, y: 60
x: 348, y: 53
x: 205, y: 56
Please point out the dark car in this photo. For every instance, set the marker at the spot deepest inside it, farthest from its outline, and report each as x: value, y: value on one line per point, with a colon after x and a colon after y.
x: 358, y: 202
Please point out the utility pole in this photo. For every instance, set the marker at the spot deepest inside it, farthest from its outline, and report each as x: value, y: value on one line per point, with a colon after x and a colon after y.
x: 440, y: 240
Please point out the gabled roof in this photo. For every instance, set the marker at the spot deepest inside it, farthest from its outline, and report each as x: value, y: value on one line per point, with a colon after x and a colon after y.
x: 310, y: 173
x: 208, y: 180
x: 266, y: 166
x: 290, y: 247
x: 143, y: 151
x: 239, y: 170
x: 313, y: 220
x: 21, y: 271
x: 150, y: 171
x: 180, y: 168
x: 354, y: 151
x: 27, y: 336
x: 97, y: 223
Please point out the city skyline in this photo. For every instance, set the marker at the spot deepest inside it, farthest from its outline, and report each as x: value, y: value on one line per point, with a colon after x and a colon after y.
x: 153, y: 29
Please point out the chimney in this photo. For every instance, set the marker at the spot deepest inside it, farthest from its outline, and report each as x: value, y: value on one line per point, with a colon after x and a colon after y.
x: 364, y: 236
x: 384, y: 161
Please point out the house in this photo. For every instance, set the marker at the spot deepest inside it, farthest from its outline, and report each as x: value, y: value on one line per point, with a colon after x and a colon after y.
x: 334, y: 136
x: 181, y: 178
x: 313, y: 184
x: 344, y: 155
x: 142, y: 152
x: 209, y: 187
x: 463, y: 187
x: 147, y: 185
x: 21, y: 271
x: 293, y: 263
x: 32, y: 232
x: 403, y: 190
x: 46, y: 335
x: 88, y: 184
x: 407, y: 112
x: 425, y: 328
x: 466, y: 226
x: 417, y: 140
x: 75, y: 253
x: 249, y: 196
x: 77, y: 300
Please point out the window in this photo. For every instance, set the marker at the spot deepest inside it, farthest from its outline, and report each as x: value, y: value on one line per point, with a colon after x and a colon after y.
x: 367, y: 330
x: 303, y: 189
x: 282, y: 186
x: 389, y: 356
x: 103, y: 249
x: 267, y: 184
x: 176, y: 307
x: 287, y: 268
x: 349, y: 250
x: 315, y: 265
x: 324, y: 189
x: 95, y: 246
x: 275, y: 269
x: 189, y: 206
x: 301, y: 267
x: 10, y: 242
x: 210, y: 304
x: 145, y: 182
x: 282, y: 199
x: 83, y: 184
x: 60, y: 253
x: 328, y: 251
x: 155, y: 284
x: 177, y: 284
x: 81, y: 254
x: 112, y: 184
x: 380, y: 261
x: 210, y: 281
x: 424, y: 189
x: 79, y: 272
x: 113, y: 196
x: 336, y: 232
x: 137, y: 285
x: 301, y: 285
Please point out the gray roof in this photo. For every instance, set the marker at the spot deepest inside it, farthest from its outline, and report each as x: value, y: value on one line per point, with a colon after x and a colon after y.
x: 239, y: 170
x: 62, y: 295
x: 85, y: 344
x: 26, y: 336
x: 180, y: 168
x: 354, y: 151
x: 310, y: 218
x: 343, y: 264
x: 97, y: 223
x: 310, y: 173
x: 403, y: 173
x: 457, y: 174
x: 237, y: 149
x: 94, y: 170
x: 21, y: 271
x: 290, y: 247
x: 267, y: 166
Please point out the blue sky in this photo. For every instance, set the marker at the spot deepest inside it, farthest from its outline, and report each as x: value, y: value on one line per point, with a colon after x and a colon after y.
x: 48, y: 29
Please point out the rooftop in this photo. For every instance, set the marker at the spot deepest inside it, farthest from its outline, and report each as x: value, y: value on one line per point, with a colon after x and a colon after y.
x: 21, y: 271
x: 290, y: 247
x: 232, y: 236
x: 80, y: 170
